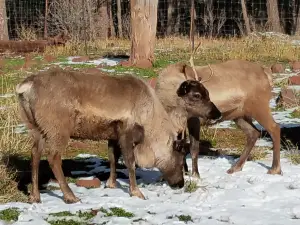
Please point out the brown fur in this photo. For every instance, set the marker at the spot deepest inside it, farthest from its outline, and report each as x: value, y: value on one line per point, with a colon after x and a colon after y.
x: 241, y: 90
x: 58, y: 104
x: 32, y: 46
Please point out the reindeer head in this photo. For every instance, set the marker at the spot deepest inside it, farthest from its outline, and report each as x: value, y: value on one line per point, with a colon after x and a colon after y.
x: 195, y: 95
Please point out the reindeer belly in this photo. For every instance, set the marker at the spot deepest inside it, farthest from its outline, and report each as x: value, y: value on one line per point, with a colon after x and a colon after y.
x: 95, y: 129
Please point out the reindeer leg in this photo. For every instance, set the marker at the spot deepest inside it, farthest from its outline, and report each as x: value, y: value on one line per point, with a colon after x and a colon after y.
x: 113, y: 154
x: 194, y: 131
x: 54, y: 159
x: 127, y: 149
x: 264, y: 117
x: 252, y: 134
x: 36, y: 152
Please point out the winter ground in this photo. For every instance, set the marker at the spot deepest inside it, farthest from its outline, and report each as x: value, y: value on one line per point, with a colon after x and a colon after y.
x: 247, y: 197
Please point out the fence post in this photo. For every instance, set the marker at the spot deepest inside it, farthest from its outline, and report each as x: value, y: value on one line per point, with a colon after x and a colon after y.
x: 192, y: 25
x: 45, y: 21
x: 84, y: 25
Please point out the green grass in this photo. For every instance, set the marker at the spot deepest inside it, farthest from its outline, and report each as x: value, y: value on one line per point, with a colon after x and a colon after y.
x: 63, y: 213
x: 132, y: 70
x: 66, y: 222
x: 191, y: 186
x: 295, y: 113
x: 78, y: 66
x: 85, y: 216
x: 71, y: 180
x: 116, y: 211
x: 10, y: 214
x: 11, y: 63
x: 185, y: 218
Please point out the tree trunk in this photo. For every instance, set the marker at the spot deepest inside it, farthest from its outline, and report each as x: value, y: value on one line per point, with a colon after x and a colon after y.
x: 143, y: 32
x: 111, y: 22
x: 91, y: 20
x: 170, y: 22
x: 119, y: 17
x: 296, y: 17
x: 104, y: 18
x: 3, y: 21
x: 177, y: 23
x: 245, y: 17
x: 273, y: 16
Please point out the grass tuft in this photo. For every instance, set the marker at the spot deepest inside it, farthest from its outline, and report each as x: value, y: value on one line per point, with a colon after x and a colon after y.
x: 63, y: 213
x: 292, y: 152
x: 185, y: 218
x: 191, y: 186
x: 116, y: 211
x: 10, y: 214
x: 66, y: 222
x: 295, y: 113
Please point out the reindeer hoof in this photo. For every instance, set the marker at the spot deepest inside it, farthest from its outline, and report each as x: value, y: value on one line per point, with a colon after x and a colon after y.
x: 110, y: 184
x: 234, y: 170
x: 137, y: 193
x: 71, y: 200
x: 275, y: 171
x: 34, y: 199
x: 196, y: 175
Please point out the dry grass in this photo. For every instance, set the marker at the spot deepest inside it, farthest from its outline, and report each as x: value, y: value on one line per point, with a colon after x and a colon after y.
x: 11, y: 144
x: 265, y: 50
x: 292, y: 152
x: 231, y: 142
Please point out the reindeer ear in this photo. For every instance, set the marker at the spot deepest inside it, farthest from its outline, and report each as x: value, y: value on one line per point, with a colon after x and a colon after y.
x: 189, y: 73
x: 184, y: 88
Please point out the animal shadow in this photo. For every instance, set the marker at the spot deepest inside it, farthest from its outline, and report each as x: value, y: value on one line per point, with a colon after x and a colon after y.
x: 72, y: 168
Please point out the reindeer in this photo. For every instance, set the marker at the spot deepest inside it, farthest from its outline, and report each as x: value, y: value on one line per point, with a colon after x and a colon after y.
x: 240, y: 89
x: 57, y: 105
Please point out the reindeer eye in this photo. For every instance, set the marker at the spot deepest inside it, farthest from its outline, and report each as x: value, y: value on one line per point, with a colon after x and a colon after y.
x: 196, y: 95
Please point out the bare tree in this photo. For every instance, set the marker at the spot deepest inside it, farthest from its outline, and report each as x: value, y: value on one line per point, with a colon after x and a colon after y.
x: 3, y: 21
x: 88, y: 19
x: 112, y: 32
x: 273, y: 22
x: 143, y: 31
x: 210, y: 18
x: 104, y: 18
x: 171, y: 10
x: 245, y: 17
x: 296, y: 16
x: 119, y: 16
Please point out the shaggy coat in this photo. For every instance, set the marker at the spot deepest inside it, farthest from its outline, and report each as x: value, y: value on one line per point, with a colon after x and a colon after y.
x: 57, y: 105
x: 240, y: 89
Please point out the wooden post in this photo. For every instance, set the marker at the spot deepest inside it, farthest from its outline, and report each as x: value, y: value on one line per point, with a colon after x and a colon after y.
x: 192, y: 25
x: 143, y: 35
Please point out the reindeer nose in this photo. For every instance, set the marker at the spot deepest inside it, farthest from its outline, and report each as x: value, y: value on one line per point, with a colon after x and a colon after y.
x: 179, y: 185
x: 215, y: 113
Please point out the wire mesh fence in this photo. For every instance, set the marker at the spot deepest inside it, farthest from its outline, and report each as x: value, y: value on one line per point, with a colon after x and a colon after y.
x: 96, y: 19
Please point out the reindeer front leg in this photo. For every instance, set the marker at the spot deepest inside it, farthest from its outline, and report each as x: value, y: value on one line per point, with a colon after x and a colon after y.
x: 113, y: 155
x: 127, y: 149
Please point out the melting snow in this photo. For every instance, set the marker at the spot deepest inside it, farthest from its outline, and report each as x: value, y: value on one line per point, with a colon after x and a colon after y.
x: 107, y: 61
x: 247, y: 197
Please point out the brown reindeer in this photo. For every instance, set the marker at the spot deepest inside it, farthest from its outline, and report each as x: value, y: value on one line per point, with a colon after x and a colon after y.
x: 240, y: 89
x: 58, y: 105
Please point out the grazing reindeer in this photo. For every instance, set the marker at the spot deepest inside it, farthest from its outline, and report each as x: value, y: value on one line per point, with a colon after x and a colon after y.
x: 57, y: 105
x: 240, y: 89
